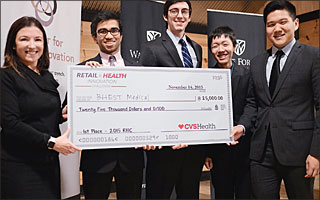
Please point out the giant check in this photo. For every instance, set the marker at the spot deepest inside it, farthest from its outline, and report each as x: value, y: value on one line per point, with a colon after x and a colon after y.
x: 134, y: 106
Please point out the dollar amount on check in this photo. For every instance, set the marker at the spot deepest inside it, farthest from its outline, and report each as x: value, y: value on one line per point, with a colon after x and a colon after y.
x: 134, y: 106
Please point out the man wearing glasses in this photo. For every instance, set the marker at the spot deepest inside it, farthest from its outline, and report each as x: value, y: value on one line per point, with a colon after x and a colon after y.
x: 174, y: 166
x: 100, y: 166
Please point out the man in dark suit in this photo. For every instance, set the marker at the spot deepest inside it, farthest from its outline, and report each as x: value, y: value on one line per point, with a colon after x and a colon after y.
x: 100, y: 166
x: 230, y: 174
x: 284, y: 94
x: 171, y: 167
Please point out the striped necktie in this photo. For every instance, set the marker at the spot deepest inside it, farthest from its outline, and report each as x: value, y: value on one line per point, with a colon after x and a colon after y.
x: 185, y: 54
x: 112, y: 60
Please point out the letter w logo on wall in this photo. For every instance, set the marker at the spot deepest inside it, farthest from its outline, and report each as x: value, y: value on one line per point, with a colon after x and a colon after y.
x: 241, y: 47
x: 152, y: 35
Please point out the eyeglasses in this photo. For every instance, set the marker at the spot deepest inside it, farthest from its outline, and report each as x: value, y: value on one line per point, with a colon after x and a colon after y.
x: 175, y: 11
x: 113, y: 31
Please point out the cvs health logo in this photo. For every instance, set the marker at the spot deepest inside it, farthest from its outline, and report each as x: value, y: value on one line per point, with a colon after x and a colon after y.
x: 198, y: 126
x: 188, y: 126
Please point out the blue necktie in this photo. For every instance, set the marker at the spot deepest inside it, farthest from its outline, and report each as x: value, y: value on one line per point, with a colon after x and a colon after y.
x: 185, y: 54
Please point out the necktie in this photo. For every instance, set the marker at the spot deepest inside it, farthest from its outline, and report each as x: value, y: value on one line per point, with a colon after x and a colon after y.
x: 185, y: 54
x: 275, y: 72
x: 112, y: 60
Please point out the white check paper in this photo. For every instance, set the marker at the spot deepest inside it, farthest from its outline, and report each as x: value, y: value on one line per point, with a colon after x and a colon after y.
x: 113, y: 107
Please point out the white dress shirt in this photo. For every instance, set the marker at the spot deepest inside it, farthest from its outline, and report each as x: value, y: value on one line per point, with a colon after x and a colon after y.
x: 286, y: 50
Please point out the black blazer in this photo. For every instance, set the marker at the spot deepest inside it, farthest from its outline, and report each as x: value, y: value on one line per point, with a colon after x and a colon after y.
x: 162, y: 53
x: 239, y: 153
x: 30, y: 114
x: 292, y: 113
x: 105, y: 160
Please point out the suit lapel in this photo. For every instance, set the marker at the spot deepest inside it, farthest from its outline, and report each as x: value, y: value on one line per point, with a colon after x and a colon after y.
x: 263, y: 77
x: 172, y: 50
x: 296, y: 49
x: 196, y: 50
x: 129, y: 63
x: 235, y: 78
x: 97, y: 58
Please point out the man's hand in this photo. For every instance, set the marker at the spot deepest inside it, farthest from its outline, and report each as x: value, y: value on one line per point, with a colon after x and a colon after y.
x: 208, y: 163
x: 312, y: 167
x: 179, y: 146
x: 237, y: 132
x: 153, y: 147
x: 149, y: 147
x: 93, y: 64
x: 232, y: 143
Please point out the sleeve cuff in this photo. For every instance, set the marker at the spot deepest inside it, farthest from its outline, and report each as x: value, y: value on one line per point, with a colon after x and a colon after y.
x: 244, y: 129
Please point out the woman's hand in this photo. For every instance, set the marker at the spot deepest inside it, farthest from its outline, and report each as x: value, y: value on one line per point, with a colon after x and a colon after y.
x: 64, y: 145
x: 65, y: 112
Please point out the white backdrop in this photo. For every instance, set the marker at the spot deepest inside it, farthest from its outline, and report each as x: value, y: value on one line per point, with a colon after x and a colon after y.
x: 62, y: 22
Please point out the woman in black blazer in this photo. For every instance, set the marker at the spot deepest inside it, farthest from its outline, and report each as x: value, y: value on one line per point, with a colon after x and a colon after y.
x: 30, y: 115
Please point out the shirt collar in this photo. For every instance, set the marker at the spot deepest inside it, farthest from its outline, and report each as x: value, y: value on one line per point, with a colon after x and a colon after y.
x: 175, y: 39
x: 106, y: 56
x: 286, y: 50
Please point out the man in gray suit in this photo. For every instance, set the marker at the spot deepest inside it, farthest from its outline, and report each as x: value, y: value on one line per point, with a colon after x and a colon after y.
x: 170, y: 167
x: 284, y: 96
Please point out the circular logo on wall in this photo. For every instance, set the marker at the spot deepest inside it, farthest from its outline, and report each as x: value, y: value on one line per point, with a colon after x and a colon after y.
x: 44, y: 11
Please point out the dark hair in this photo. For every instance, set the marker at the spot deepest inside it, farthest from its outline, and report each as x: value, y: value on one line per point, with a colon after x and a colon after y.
x: 170, y: 2
x: 104, y: 16
x: 222, y: 30
x: 11, y: 58
x: 279, y: 5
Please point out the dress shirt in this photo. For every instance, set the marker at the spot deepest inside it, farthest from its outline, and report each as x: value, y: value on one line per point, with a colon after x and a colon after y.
x: 105, y: 59
x: 286, y: 50
x: 176, y: 43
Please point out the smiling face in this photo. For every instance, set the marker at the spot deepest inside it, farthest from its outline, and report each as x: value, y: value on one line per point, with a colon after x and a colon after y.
x: 178, y: 18
x: 29, y: 45
x: 222, y: 50
x: 108, y: 44
x: 280, y: 28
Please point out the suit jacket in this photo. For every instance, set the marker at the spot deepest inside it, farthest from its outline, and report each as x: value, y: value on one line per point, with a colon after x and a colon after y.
x: 162, y: 53
x: 239, y: 153
x: 30, y: 114
x: 105, y: 160
x: 292, y: 114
